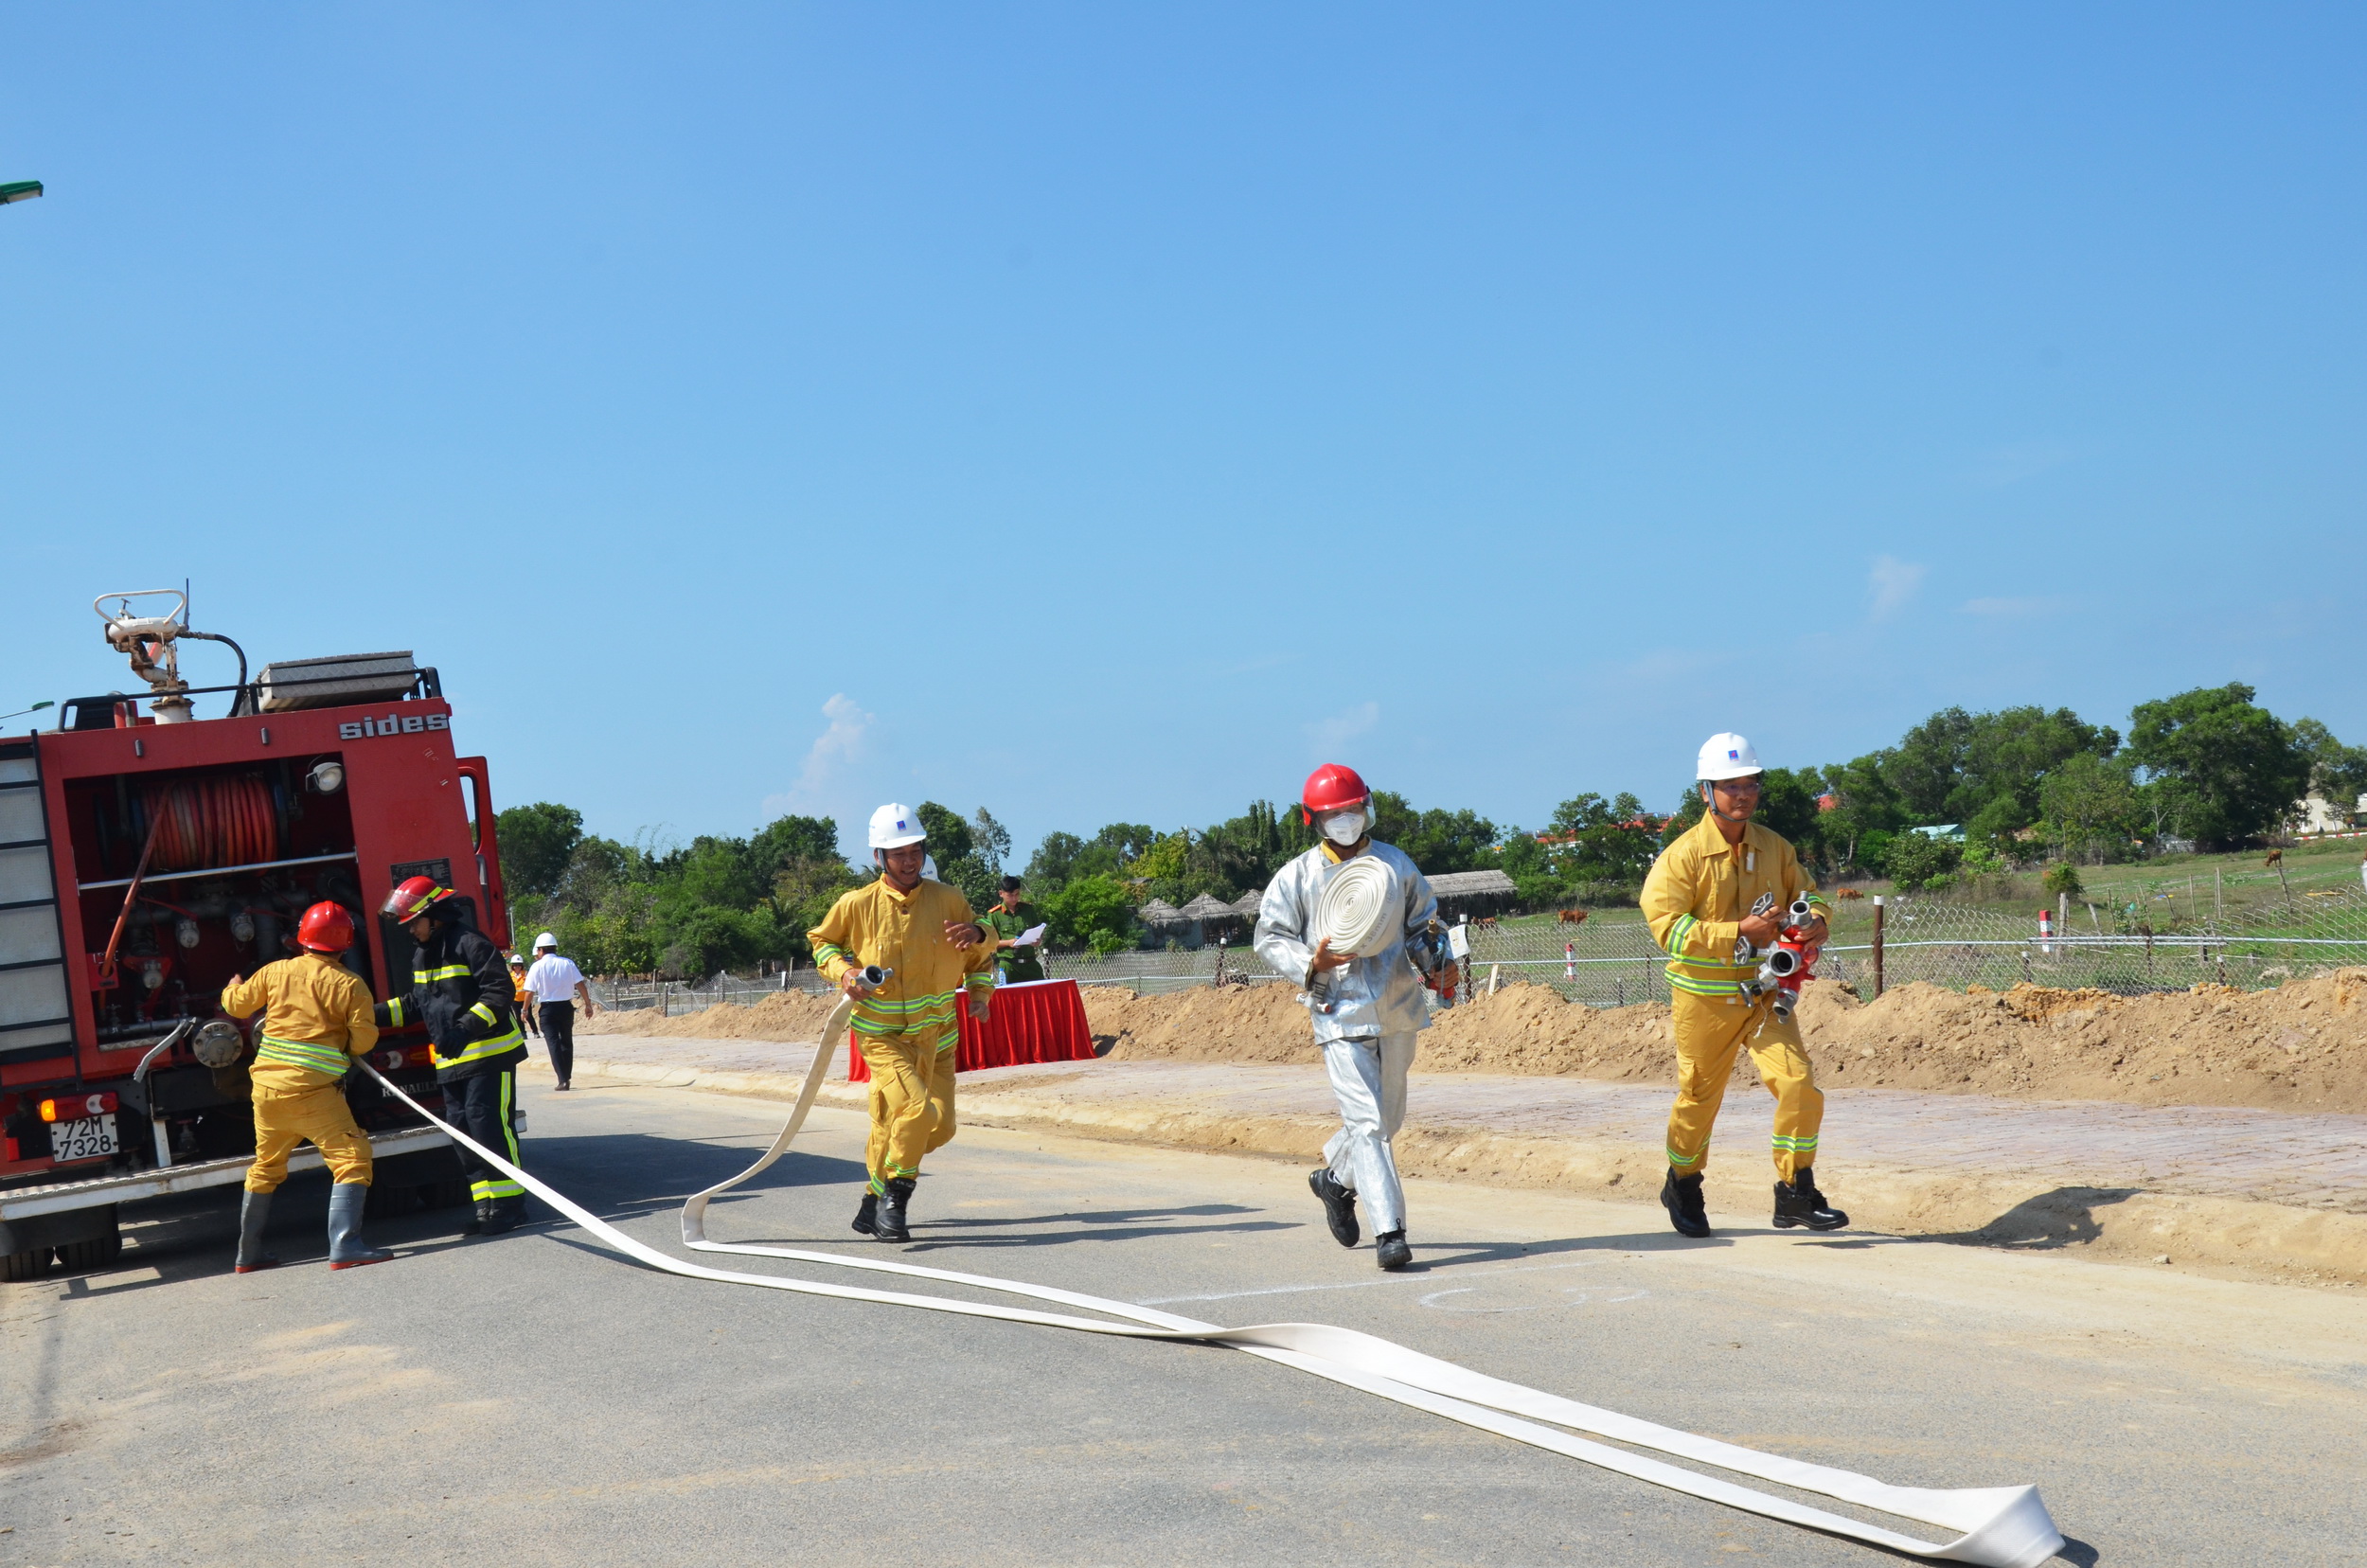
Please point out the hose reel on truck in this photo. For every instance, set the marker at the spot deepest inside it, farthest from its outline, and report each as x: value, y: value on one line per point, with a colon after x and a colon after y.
x: 1995, y: 1527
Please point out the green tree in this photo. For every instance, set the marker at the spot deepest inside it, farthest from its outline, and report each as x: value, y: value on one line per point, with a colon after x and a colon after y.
x: 1864, y: 802
x: 537, y: 842
x: 2088, y: 803
x: 1787, y: 804
x: 1921, y: 860
x: 1600, y: 841
x: 949, y: 835
x: 1092, y: 912
x: 2228, y: 769
x: 1437, y: 839
x: 1965, y: 768
x: 1052, y: 863
x: 990, y: 841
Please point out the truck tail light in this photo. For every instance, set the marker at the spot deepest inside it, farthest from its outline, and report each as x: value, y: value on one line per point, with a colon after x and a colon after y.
x: 394, y: 1060
x: 75, y: 1107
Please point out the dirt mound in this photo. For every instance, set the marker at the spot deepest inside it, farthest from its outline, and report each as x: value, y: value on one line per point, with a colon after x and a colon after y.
x: 2299, y: 1047
x: 2295, y: 1049
x: 1205, y: 1024
x: 1531, y: 1029
x: 784, y: 1015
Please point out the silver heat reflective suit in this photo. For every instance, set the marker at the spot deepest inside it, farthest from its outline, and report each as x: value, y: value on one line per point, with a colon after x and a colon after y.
x: 1376, y: 1007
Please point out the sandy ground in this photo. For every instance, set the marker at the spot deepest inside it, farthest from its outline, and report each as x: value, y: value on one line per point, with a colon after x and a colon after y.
x: 2296, y: 1048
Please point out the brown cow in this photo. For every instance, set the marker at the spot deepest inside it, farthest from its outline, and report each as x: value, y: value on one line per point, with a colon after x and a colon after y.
x: 1485, y: 922
x: 1848, y: 893
x: 1569, y: 917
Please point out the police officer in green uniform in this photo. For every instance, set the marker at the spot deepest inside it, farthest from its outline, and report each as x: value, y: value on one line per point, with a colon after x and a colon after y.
x: 1008, y: 919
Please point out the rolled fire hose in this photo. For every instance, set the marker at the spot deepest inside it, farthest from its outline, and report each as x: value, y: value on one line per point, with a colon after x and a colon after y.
x: 2002, y: 1526
x: 1353, y: 913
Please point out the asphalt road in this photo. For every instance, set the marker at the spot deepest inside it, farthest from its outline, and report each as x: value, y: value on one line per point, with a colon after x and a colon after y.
x: 532, y: 1399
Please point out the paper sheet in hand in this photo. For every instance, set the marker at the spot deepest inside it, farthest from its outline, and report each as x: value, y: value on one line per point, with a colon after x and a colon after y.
x: 1029, y: 937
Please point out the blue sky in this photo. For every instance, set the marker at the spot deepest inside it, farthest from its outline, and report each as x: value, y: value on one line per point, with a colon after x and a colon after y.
x: 1108, y: 413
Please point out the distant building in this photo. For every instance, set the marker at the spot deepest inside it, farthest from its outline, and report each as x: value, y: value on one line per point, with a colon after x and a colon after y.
x: 2315, y: 815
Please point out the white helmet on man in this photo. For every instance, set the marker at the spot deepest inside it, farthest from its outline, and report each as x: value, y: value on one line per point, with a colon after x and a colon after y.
x: 547, y: 943
x: 1727, y: 756
x: 894, y: 826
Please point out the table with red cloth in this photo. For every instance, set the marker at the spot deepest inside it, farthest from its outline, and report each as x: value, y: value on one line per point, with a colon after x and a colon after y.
x: 1030, y: 1021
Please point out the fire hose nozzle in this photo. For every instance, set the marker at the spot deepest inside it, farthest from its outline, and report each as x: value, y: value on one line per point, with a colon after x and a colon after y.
x: 1781, y: 963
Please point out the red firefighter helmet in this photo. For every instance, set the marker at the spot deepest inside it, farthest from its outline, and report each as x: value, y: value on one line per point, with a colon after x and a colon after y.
x: 414, y: 896
x: 326, y: 928
x: 1331, y: 787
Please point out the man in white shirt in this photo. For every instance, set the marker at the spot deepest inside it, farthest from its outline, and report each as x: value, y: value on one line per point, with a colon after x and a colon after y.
x: 556, y: 985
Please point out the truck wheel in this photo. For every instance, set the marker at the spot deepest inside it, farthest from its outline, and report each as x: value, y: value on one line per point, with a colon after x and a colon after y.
x: 18, y: 1267
x: 96, y: 1253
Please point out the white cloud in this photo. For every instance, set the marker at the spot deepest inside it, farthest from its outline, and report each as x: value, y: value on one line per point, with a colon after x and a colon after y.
x: 833, y: 752
x: 1893, y: 583
x: 1332, y: 733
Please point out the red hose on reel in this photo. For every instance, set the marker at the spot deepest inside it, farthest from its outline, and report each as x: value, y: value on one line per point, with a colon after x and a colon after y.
x: 212, y: 822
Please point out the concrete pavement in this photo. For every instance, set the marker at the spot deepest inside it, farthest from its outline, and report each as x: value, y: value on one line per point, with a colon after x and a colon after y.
x: 531, y: 1399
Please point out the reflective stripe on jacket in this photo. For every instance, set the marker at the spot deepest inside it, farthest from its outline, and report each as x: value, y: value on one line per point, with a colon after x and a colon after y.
x: 461, y: 989
x: 328, y: 1061
x: 316, y: 1018
x: 905, y: 932
x: 1699, y: 890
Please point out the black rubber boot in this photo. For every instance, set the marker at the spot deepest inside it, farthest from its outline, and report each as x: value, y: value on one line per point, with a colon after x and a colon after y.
x: 1389, y: 1249
x: 502, y: 1214
x: 484, y: 1212
x: 1681, y: 1196
x: 1798, y: 1203
x: 890, y: 1224
x: 254, y: 1214
x: 868, y: 1215
x: 1339, y: 1205
x: 347, y: 1250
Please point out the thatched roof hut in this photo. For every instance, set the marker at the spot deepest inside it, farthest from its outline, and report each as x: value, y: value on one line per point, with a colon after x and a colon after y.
x: 1207, y: 907
x: 1248, y: 905
x: 1469, y: 890
x: 1158, y: 912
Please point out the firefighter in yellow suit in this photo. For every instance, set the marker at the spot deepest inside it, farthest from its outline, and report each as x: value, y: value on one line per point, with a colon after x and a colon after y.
x: 316, y: 1019
x: 923, y: 932
x: 1715, y: 900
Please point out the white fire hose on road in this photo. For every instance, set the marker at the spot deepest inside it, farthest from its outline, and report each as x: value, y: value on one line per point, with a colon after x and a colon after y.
x: 1999, y: 1526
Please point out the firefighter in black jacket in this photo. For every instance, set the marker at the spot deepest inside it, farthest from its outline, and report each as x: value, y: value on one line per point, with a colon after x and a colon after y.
x: 461, y: 989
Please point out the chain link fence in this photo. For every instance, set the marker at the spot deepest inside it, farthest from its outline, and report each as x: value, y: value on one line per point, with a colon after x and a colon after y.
x: 2154, y: 935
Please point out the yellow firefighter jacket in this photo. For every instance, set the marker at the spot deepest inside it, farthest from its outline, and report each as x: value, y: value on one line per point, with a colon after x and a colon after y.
x: 1700, y: 890
x: 316, y: 1019
x: 904, y: 931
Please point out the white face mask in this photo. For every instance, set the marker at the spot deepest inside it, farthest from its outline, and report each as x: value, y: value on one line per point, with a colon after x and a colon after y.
x: 1343, y: 828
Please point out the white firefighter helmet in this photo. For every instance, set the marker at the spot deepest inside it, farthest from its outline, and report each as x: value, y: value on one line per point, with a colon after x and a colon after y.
x: 547, y: 943
x: 1727, y: 756
x: 893, y: 827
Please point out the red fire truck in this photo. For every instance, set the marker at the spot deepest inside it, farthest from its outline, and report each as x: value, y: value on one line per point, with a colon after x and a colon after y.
x: 146, y: 856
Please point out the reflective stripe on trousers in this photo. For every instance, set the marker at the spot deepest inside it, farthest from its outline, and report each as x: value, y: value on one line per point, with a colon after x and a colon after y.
x: 1368, y: 1082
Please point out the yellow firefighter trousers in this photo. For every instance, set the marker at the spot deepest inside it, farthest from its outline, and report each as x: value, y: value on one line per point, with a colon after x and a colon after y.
x: 283, y: 1120
x: 912, y: 1100
x: 1710, y: 1029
